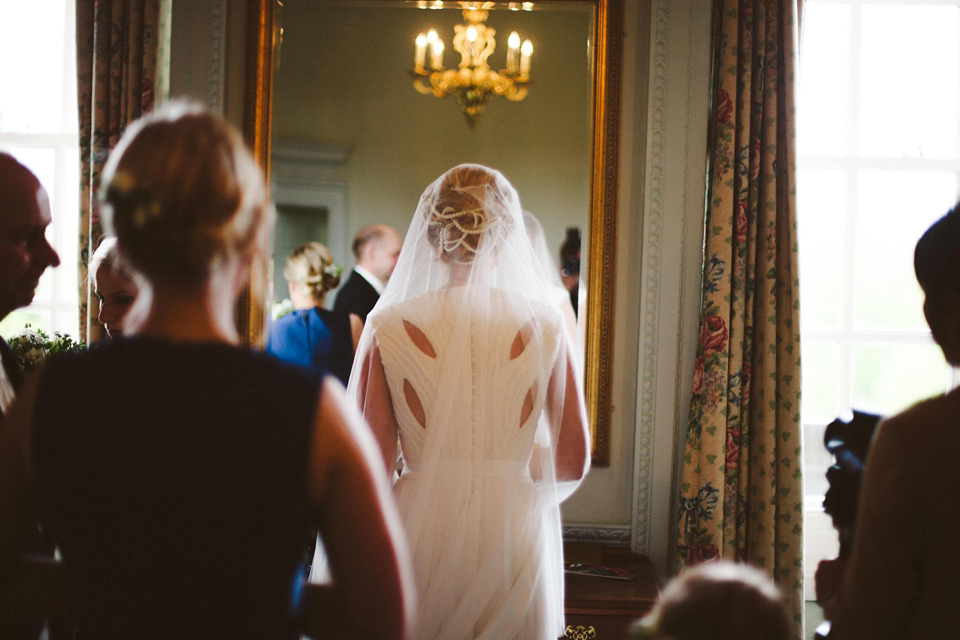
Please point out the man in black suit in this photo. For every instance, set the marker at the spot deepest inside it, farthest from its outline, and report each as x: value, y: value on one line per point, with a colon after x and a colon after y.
x: 376, y: 248
x: 24, y: 255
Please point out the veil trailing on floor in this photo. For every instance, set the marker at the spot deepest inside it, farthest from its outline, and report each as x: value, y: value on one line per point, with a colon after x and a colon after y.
x: 466, y: 356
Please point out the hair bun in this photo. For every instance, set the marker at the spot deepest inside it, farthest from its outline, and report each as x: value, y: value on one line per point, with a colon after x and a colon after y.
x: 470, y: 210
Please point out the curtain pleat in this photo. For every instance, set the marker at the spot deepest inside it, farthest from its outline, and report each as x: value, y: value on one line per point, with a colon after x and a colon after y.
x: 741, y: 493
x: 117, y: 43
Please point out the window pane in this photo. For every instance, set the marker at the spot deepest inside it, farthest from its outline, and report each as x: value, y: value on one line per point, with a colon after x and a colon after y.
x: 38, y: 125
x: 31, y: 95
x: 824, y: 94
x: 816, y: 460
x: 894, y: 209
x: 42, y: 161
x: 821, y: 381
x: 822, y: 197
x: 888, y: 378
x: 17, y: 320
x: 67, y: 207
x: 910, y: 63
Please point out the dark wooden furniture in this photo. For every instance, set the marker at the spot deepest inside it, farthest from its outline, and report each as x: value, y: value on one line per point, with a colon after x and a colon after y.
x: 603, y: 608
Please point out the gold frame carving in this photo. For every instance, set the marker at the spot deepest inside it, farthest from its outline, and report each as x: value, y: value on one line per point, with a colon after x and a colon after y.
x: 604, y: 185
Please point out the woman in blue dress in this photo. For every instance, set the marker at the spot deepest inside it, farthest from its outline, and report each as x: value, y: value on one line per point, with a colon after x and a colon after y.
x: 312, y: 336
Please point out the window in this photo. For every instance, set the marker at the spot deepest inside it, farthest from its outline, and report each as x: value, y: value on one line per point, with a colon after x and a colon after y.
x: 878, y: 162
x: 38, y: 126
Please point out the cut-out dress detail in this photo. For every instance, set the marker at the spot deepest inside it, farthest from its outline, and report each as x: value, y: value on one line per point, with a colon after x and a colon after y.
x: 486, y: 564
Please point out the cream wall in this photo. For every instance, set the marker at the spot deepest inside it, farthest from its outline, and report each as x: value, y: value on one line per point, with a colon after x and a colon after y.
x: 662, y: 175
x: 342, y: 81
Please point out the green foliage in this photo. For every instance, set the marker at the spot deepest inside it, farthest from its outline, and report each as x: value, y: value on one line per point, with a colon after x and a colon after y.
x: 33, y: 346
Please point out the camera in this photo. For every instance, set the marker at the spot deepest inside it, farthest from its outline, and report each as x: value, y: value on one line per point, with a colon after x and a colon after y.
x: 849, y: 442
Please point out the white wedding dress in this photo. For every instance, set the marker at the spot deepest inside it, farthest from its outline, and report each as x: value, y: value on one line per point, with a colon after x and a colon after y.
x: 484, y: 536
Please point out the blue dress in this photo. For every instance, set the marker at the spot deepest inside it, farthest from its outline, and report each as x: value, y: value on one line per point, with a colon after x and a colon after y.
x: 316, y: 338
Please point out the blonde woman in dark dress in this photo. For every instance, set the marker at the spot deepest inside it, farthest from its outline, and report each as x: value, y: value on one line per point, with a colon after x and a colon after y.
x: 179, y: 472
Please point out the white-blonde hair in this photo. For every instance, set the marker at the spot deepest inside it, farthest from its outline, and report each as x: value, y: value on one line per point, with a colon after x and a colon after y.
x: 108, y: 255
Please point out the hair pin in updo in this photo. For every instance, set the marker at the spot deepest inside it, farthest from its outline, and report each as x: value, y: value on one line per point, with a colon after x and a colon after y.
x: 450, y: 221
x: 333, y: 270
x: 330, y: 271
x: 123, y: 194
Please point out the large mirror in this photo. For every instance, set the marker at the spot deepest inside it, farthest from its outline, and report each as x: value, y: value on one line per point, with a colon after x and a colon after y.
x: 333, y: 114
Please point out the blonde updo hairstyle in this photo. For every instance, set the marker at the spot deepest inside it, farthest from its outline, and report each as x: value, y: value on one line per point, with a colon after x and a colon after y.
x: 311, y: 264
x: 182, y: 193
x: 471, y: 206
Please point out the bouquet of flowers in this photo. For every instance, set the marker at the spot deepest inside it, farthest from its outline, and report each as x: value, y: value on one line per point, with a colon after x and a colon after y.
x: 32, y: 346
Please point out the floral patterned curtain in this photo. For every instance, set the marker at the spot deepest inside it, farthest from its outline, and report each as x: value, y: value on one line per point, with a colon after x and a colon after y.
x: 117, y: 44
x: 741, y: 493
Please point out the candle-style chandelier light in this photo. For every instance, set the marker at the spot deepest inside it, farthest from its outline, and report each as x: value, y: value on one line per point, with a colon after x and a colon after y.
x: 474, y: 82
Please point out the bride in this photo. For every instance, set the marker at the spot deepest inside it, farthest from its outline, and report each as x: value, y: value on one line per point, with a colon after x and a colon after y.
x: 466, y: 360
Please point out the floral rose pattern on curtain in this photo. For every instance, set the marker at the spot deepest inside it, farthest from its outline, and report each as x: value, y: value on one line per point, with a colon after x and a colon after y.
x: 741, y: 493
x: 117, y: 43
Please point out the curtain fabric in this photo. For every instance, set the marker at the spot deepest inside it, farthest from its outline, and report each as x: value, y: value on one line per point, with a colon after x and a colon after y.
x: 741, y: 492
x: 117, y: 45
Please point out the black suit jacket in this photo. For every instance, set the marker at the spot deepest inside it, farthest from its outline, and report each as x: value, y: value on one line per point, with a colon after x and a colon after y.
x: 37, y: 543
x: 356, y: 296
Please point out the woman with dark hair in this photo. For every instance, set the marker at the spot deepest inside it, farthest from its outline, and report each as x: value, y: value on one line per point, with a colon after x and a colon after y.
x: 178, y: 472
x: 312, y: 336
x: 903, y: 576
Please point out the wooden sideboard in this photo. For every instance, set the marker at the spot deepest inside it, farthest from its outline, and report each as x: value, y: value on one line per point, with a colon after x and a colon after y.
x: 604, y: 608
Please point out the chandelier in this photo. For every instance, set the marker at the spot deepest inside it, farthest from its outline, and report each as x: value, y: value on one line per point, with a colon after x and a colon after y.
x: 473, y: 83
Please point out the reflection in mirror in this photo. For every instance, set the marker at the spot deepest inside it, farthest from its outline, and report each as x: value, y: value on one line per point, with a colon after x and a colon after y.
x: 334, y: 84
x: 354, y: 143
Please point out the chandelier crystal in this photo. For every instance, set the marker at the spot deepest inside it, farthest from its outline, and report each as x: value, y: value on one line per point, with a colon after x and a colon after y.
x: 473, y: 82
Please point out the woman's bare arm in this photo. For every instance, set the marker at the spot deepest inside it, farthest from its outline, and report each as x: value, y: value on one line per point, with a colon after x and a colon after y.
x: 356, y: 328
x: 378, y: 408
x: 372, y: 595
x: 573, y: 441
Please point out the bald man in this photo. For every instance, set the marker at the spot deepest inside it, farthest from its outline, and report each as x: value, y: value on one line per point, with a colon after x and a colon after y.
x: 376, y: 248
x: 24, y: 254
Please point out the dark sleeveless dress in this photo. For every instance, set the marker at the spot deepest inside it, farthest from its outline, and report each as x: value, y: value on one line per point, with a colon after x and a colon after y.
x: 174, y: 480
x: 316, y: 338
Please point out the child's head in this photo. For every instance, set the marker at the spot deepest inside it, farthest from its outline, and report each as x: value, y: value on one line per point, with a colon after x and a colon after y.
x: 717, y: 601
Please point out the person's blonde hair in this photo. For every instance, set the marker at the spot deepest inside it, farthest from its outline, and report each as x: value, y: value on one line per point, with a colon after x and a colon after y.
x: 182, y: 192
x: 311, y: 264
x: 108, y: 255
x: 470, y: 207
x: 717, y: 601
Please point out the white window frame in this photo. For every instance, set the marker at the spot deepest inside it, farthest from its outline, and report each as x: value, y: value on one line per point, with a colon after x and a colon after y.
x: 820, y: 539
x: 62, y: 306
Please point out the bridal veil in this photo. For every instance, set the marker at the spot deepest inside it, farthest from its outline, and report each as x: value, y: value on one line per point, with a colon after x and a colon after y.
x: 467, y: 358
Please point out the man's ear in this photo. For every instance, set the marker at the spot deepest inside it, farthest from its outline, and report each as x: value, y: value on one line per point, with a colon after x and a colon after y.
x: 366, y: 252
